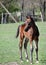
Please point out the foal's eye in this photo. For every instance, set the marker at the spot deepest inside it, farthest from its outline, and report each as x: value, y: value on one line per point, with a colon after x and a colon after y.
x: 27, y: 17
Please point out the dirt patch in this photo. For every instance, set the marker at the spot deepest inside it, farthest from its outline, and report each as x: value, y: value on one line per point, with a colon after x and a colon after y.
x: 0, y: 64
x: 10, y: 63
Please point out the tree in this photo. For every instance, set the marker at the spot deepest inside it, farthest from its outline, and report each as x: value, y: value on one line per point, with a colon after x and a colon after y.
x: 10, y: 6
x: 42, y: 9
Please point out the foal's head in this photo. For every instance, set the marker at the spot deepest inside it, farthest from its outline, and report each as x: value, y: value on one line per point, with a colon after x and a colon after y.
x: 29, y: 18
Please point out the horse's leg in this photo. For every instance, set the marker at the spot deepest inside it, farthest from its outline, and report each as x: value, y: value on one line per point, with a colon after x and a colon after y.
x: 20, y: 47
x: 25, y: 47
x: 36, y: 48
x: 31, y: 51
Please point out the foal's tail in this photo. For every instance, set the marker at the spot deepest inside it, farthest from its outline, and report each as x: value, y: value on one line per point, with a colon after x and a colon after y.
x: 17, y: 34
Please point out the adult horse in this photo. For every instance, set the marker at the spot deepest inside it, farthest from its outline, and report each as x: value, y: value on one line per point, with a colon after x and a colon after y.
x: 30, y: 35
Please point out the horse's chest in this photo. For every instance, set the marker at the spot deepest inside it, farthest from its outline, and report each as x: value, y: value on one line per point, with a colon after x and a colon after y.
x: 29, y: 33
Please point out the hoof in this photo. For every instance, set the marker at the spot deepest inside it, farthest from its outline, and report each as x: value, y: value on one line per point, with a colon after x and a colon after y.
x: 21, y: 60
x: 37, y: 61
x: 27, y: 60
x: 31, y: 62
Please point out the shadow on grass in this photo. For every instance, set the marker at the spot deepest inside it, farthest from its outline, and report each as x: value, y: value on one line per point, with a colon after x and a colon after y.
x: 43, y: 61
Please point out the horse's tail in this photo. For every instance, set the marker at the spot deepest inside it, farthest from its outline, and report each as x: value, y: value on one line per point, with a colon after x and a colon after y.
x: 17, y: 34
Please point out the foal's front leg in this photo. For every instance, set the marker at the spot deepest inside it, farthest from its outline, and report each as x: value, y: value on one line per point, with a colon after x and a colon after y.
x: 31, y: 52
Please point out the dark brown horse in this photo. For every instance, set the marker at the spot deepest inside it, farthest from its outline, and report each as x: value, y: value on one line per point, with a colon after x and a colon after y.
x: 30, y: 35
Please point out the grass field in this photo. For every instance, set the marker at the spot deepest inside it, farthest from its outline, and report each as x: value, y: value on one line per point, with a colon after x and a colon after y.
x: 9, y: 50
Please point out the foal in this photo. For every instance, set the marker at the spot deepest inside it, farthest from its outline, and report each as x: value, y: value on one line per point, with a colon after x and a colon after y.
x: 30, y: 35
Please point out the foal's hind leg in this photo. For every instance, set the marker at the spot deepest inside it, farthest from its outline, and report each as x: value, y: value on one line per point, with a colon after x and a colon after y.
x: 25, y: 47
x: 36, y: 48
x: 20, y: 47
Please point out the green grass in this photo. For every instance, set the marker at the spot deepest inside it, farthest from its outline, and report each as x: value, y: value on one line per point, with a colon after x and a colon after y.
x: 9, y: 50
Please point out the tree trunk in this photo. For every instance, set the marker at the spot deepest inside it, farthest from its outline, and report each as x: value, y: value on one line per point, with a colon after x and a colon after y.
x: 2, y: 19
x: 44, y: 10
x: 7, y: 17
x: 41, y: 10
